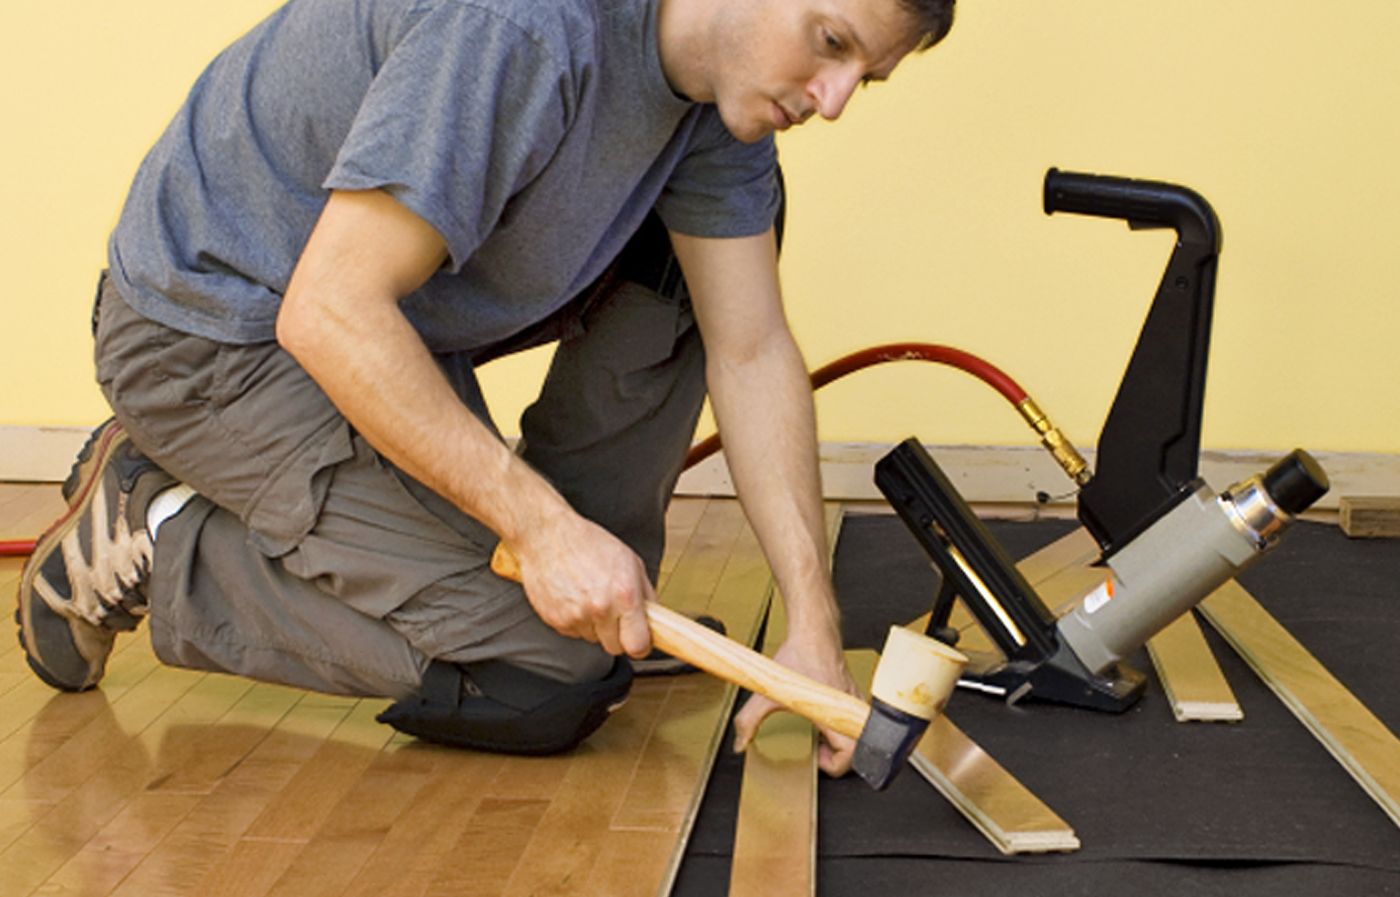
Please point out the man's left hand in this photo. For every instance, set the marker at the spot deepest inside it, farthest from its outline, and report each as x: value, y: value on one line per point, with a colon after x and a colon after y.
x: 827, y: 665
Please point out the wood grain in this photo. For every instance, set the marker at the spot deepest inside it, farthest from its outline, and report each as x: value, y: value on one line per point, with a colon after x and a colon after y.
x: 172, y: 783
x: 1191, y: 677
x: 1012, y: 818
x: 775, y: 836
x: 1359, y: 741
x: 1370, y: 517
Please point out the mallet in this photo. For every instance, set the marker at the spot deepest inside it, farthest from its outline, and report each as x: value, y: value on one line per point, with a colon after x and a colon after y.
x: 912, y: 682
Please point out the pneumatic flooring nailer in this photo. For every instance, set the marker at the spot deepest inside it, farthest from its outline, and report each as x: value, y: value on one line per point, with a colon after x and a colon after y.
x: 1167, y: 541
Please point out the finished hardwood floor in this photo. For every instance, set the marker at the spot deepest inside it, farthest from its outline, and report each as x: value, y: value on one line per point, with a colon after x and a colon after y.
x: 168, y: 783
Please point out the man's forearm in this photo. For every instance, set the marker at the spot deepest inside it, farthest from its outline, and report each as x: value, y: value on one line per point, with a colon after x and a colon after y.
x: 763, y: 404
x: 373, y: 366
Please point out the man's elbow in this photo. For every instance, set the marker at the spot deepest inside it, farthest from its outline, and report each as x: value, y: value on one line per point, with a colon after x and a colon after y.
x: 304, y: 324
x: 293, y: 326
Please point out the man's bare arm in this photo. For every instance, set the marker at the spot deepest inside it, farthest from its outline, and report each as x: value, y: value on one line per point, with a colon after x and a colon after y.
x: 341, y: 320
x: 763, y: 403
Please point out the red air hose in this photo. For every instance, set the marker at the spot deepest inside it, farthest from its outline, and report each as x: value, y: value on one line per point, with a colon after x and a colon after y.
x: 983, y: 370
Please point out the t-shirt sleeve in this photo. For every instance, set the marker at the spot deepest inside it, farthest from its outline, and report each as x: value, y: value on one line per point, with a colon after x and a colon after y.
x: 466, y: 109
x: 722, y: 187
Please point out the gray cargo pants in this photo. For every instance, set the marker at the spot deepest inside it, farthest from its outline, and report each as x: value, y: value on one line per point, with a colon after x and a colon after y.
x: 310, y: 560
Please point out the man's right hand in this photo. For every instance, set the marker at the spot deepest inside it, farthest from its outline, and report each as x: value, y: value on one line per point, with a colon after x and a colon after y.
x: 586, y: 583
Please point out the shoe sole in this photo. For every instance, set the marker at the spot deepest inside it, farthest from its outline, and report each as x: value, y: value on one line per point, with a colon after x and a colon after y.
x: 91, y: 461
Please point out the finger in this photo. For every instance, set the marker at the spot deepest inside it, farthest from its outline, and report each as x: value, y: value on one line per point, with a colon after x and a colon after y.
x: 634, y: 633
x: 607, y: 637
x: 834, y: 755
x: 746, y: 722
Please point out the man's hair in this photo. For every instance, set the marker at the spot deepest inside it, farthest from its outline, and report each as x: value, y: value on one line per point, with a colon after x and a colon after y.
x: 934, y: 18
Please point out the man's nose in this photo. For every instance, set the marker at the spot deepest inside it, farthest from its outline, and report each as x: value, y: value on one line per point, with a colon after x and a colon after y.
x: 832, y: 89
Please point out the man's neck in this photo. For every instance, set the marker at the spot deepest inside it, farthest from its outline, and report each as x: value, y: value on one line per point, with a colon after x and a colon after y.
x: 681, y: 44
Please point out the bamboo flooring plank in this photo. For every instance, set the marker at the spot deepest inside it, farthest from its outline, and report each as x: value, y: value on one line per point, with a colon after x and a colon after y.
x: 1360, y: 742
x: 79, y: 811
x: 702, y: 563
x: 637, y: 781
x: 124, y: 842
x: 775, y: 835
x: 358, y: 824
x: 319, y: 785
x: 99, y: 867
x: 1191, y: 677
x: 428, y: 838
x: 634, y: 863
x: 740, y: 599
x: 571, y: 835
x: 77, y: 726
x: 681, y: 518
x: 177, y: 866
x: 1011, y: 817
x: 280, y: 833
x: 662, y: 785
x: 668, y: 781
x: 490, y: 848
x: 994, y: 801
x: 10, y: 493
x: 54, y: 774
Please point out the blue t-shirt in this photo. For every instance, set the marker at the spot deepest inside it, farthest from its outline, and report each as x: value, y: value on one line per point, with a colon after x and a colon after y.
x: 533, y: 136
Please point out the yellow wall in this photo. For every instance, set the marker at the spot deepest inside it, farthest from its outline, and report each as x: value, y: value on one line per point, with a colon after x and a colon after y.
x: 917, y: 217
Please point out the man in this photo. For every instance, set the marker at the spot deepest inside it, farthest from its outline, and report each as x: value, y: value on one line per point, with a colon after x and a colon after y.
x: 358, y: 205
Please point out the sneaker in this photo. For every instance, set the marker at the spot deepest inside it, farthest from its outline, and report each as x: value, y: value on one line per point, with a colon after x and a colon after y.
x: 83, y: 583
x: 659, y: 663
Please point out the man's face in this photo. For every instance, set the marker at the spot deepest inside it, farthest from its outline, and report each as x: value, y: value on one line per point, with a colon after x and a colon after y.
x: 784, y: 61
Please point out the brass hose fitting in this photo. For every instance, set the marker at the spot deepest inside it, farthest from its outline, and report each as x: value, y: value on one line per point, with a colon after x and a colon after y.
x: 1063, y: 451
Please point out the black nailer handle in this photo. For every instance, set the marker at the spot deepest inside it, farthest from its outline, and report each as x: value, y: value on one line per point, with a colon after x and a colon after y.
x: 1140, y: 203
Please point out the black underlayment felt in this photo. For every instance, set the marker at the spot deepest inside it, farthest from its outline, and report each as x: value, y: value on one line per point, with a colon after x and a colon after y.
x: 1257, y: 807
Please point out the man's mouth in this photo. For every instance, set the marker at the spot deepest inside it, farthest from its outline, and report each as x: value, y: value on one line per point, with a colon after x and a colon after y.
x: 782, y: 118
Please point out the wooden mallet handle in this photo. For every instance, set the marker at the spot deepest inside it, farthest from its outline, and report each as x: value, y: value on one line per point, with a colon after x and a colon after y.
x: 682, y: 637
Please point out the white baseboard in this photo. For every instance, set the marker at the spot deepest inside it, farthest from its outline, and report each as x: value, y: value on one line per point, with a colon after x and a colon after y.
x: 1016, y: 474
x: 991, y: 474
x: 39, y: 454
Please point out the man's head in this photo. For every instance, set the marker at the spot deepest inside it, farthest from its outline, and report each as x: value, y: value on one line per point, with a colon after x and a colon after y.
x: 771, y: 64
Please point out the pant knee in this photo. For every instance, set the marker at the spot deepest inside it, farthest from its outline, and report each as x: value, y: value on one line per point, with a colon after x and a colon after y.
x: 497, y: 706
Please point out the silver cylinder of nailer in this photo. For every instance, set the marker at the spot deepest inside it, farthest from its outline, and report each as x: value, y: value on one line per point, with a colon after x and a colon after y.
x: 1183, y: 557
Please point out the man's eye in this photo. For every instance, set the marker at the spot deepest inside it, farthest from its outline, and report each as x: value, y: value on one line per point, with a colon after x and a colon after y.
x: 832, y: 41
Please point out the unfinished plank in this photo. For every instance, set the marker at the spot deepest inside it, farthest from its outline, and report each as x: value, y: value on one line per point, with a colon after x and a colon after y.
x: 1370, y: 516
x: 1074, y: 549
x: 1191, y: 677
x: 1359, y: 741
